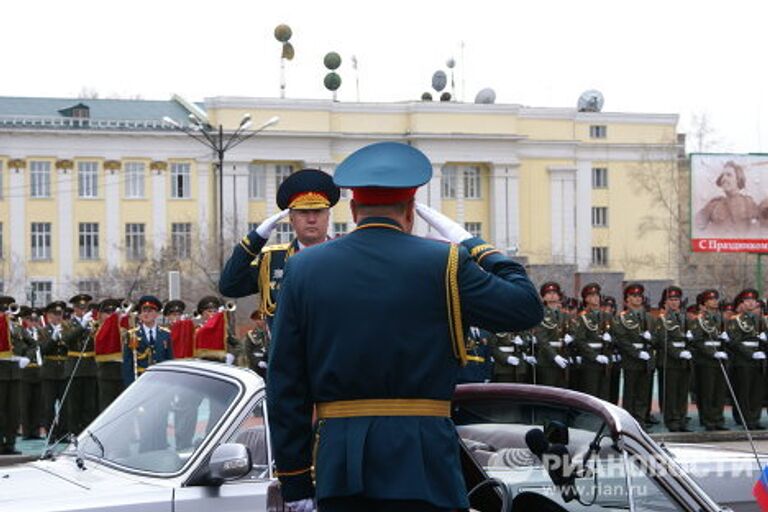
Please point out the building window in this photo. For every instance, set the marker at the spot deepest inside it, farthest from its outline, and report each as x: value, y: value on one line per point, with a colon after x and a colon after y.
x: 598, y: 131
x: 599, y: 177
x: 88, y: 179
x: 472, y: 182
x: 89, y: 240
x: 599, y: 256
x: 475, y: 228
x: 257, y: 181
x: 340, y: 228
x: 181, y: 240
x: 42, y: 293
x: 449, y: 182
x: 599, y: 216
x: 134, y: 241
x: 281, y: 172
x: 41, y: 240
x: 180, y: 181
x: 284, y: 233
x: 90, y: 286
x: 134, y: 180
x: 40, y: 179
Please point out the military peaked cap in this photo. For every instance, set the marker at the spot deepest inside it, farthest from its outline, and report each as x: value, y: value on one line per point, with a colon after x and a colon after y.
x: 589, y: 289
x: 150, y: 301
x: 307, y: 189
x: 174, y: 306
x: 208, y: 302
x: 550, y: 286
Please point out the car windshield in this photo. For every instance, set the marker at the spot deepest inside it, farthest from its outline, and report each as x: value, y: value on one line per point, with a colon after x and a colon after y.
x: 158, y: 422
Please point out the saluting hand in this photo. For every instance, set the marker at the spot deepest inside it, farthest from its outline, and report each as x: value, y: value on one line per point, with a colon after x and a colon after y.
x: 447, y: 227
x: 265, y: 228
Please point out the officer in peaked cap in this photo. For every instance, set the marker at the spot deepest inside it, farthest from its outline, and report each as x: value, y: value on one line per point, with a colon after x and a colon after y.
x: 150, y: 342
x: 553, y: 338
x: 54, y: 372
x: 306, y: 197
x: 382, y: 388
x: 82, y: 400
x: 593, y: 344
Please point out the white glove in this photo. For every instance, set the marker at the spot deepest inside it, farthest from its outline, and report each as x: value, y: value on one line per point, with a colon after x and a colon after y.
x: 689, y: 335
x: 578, y: 359
x: 262, y: 364
x: 759, y: 355
x: 444, y: 225
x: 568, y: 339
x: 762, y: 337
x: 645, y: 356
x: 685, y: 354
x: 305, y: 505
x: 24, y: 361
x: 86, y: 319
x: 616, y: 358
x: 647, y: 335
x: 606, y: 337
x: 721, y: 355
x: 517, y: 340
x: 534, y: 340
x: 229, y: 359
x: 56, y: 335
x: 602, y: 359
x: 561, y: 361
x: 513, y: 361
x: 530, y: 360
x: 724, y: 336
x: 265, y: 228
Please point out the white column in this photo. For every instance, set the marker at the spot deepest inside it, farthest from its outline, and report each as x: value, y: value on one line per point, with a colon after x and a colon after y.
x: 159, y: 211
x: 66, y: 227
x: 236, y: 200
x: 113, y: 231
x: 505, y: 207
x: 562, y: 186
x: 270, y: 191
x: 17, y: 228
x: 203, y: 168
x: 460, y: 217
x: 584, y: 214
x: 429, y: 194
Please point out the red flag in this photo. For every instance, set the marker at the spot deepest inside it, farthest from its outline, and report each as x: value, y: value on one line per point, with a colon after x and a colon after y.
x: 210, y: 338
x: 183, y: 339
x: 760, y: 492
x: 6, y: 347
x: 107, y: 341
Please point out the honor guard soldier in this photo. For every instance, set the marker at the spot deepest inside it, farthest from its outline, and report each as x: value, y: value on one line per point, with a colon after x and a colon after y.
x: 108, y: 346
x: 709, y: 354
x: 593, y: 344
x: 479, y: 367
x: 256, y: 344
x: 552, y: 339
x: 382, y: 389
x: 214, y: 340
x: 635, y: 343
x: 54, y: 372
x: 182, y: 329
x: 148, y: 343
x: 608, y: 305
x: 506, y: 351
x: 306, y: 197
x: 12, y: 349
x: 82, y: 402
x: 747, y: 341
x: 30, y: 397
x: 676, y: 357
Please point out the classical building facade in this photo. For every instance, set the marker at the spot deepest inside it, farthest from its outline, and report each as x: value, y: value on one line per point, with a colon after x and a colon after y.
x: 90, y: 187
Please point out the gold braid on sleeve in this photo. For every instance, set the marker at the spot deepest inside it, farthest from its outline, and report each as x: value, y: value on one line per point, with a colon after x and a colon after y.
x: 454, y: 305
x: 267, y: 304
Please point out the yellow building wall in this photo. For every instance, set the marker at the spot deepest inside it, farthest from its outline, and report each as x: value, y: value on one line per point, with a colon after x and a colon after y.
x: 290, y: 120
x: 619, y: 133
x: 441, y: 122
x: 547, y: 129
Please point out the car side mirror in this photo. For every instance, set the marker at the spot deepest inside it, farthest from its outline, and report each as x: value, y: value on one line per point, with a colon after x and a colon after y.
x: 229, y: 461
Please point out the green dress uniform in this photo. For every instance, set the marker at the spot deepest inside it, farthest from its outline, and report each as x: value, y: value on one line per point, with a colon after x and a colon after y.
x: 551, y: 342
x: 82, y: 400
x: 676, y: 364
x: 54, y: 374
x: 507, y: 357
x: 594, y: 346
x: 31, y: 396
x: 256, y: 346
x: 710, y: 383
x: 630, y: 335
x: 10, y: 377
x: 749, y: 362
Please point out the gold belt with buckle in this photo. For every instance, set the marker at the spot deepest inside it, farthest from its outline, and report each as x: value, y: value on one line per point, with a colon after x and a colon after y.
x: 384, y: 407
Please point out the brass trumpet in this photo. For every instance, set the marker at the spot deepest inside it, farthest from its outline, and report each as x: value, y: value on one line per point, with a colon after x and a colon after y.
x: 126, y: 306
x: 14, y: 308
x: 230, y: 306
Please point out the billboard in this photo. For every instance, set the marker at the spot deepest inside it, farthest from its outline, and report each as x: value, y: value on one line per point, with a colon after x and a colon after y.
x: 729, y: 203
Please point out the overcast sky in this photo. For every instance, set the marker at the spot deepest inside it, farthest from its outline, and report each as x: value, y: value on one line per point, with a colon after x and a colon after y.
x: 673, y: 56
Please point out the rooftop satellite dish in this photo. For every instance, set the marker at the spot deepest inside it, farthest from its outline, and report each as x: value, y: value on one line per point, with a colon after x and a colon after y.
x: 486, y: 96
x: 427, y: 96
x: 590, y: 101
x: 439, y: 80
x: 446, y: 96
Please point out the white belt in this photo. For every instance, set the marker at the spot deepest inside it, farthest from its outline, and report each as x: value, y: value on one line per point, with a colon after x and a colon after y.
x: 638, y: 346
x: 507, y: 349
x: 711, y: 343
x: 595, y: 345
x: 751, y: 344
x: 678, y: 344
x: 556, y: 344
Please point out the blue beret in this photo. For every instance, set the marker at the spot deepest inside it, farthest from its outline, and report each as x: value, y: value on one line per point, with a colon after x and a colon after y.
x: 386, y: 165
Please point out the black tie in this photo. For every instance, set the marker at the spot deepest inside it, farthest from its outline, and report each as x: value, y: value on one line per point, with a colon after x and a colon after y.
x: 151, y: 337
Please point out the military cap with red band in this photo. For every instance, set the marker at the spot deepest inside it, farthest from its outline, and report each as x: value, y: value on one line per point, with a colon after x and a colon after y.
x: 589, y: 289
x: 550, y: 286
x: 634, y: 289
x: 307, y: 189
x: 150, y: 301
x: 707, y: 295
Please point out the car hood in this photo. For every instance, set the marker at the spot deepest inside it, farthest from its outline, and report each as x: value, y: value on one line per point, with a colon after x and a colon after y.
x: 60, y: 486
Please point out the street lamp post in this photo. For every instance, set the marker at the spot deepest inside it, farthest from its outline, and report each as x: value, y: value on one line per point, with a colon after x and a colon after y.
x: 215, y: 140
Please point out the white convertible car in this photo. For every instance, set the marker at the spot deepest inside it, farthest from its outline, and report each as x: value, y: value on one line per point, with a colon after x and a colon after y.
x: 191, y: 436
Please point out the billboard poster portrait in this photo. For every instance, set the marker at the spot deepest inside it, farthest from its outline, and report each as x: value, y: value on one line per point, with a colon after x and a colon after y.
x: 729, y: 203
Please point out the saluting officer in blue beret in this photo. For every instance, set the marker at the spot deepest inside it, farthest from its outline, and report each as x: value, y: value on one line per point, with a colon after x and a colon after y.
x: 370, y: 330
x: 306, y: 196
